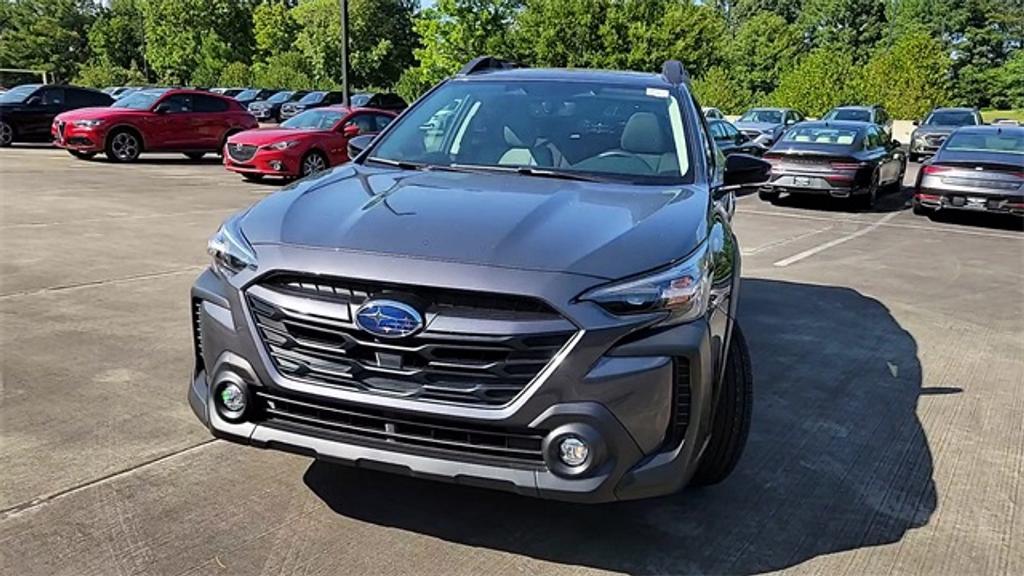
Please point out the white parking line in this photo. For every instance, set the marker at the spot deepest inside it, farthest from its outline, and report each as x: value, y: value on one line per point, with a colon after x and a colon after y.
x: 832, y: 243
x: 950, y: 230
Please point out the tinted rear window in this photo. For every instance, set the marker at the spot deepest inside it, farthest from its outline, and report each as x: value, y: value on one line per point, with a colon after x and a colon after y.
x: 1012, y: 143
x: 850, y: 115
x: 952, y: 118
x: 821, y: 135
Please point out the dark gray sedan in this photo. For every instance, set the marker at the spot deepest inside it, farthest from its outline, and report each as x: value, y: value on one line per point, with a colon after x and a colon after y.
x: 978, y: 168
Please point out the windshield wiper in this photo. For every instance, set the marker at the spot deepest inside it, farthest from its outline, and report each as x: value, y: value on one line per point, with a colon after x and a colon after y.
x: 397, y: 163
x: 528, y: 171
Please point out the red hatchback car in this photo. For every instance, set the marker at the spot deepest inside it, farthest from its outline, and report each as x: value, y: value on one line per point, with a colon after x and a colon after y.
x: 154, y: 120
x: 305, y: 144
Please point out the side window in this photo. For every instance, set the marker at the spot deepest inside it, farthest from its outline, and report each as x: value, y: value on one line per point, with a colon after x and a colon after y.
x: 333, y: 98
x: 53, y: 96
x: 99, y: 99
x: 177, y: 103
x: 718, y: 131
x: 382, y: 121
x: 366, y: 122
x: 209, y: 104
x: 730, y: 131
x: 873, y: 141
x: 710, y: 152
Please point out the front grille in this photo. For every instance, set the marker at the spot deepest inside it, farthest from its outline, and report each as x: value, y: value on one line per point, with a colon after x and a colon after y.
x: 679, y: 420
x: 394, y: 430
x: 452, y: 360
x: 754, y: 134
x: 935, y: 140
x: 241, y: 152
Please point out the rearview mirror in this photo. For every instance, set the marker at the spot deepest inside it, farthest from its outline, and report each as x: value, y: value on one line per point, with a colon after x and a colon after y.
x: 744, y: 172
x: 357, y: 144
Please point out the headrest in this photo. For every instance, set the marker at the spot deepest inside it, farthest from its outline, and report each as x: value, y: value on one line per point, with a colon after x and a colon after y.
x: 642, y: 134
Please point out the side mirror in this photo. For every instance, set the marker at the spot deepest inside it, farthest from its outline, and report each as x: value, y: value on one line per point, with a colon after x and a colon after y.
x: 917, y: 122
x: 894, y: 143
x: 744, y: 172
x: 357, y: 144
x: 162, y: 108
x: 350, y: 131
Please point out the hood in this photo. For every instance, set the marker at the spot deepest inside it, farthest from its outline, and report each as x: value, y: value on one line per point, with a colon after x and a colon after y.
x: 97, y: 113
x: 604, y: 230
x: 264, y: 136
x: 260, y: 104
x: 761, y: 126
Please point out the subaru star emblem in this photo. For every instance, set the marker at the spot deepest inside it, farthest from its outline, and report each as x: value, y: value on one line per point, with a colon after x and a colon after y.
x: 388, y: 319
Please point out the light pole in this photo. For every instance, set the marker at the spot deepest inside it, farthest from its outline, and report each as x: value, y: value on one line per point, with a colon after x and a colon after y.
x: 344, y: 52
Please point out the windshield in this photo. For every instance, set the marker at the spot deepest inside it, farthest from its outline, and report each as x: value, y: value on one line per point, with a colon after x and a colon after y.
x: 952, y: 118
x: 280, y: 97
x: 142, y: 100
x: 766, y: 116
x: 312, y: 98
x: 247, y: 95
x: 1005, y: 141
x: 18, y: 94
x: 820, y: 135
x: 318, y: 119
x: 360, y: 99
x: 631, y: 133
x: 849, y: 115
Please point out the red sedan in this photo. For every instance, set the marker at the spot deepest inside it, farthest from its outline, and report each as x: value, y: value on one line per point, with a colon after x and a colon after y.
x: 305, y: 144
x: 154, y: 120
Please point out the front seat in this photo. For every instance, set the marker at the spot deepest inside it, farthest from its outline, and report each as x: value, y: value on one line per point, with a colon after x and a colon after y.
x: 643, y: 137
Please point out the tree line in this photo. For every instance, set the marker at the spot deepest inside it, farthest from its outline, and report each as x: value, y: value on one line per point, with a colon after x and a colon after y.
x: 909, y: 55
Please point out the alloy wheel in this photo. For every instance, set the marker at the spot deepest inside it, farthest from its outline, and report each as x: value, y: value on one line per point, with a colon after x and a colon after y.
x: 125, y: 146
x: 6, y: 134
x: 312, y: 164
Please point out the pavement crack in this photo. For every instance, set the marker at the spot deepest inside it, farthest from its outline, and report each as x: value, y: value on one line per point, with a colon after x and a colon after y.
x: 11, y: 511
x: 94, y: 283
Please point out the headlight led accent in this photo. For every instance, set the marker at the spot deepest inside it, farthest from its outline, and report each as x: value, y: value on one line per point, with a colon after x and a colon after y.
x: 229, y: 248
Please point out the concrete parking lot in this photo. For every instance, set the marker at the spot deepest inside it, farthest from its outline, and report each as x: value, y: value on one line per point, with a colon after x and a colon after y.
x: 888, y: 433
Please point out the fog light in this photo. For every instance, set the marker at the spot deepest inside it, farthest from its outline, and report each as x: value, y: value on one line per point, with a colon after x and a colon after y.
x: 573, y: 451
x: 276, y: 165
x: 232, y: 398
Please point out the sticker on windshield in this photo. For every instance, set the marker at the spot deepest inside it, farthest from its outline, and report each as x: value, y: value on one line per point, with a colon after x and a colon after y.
x: 657, y: 92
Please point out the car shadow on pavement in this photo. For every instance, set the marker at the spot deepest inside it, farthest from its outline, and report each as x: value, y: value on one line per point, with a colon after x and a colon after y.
x: 837, y: 460
x: 886, y: 202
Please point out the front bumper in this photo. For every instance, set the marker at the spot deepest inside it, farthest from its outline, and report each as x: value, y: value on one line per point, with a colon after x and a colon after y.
x: 623, y: 393
x: 267, y: 162
x: 70, y: 137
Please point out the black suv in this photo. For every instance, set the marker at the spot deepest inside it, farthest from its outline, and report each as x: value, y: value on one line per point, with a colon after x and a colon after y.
x: 874, y: 114
x: 929, y: 135
x: 528, y: 281
x: 27, y: 111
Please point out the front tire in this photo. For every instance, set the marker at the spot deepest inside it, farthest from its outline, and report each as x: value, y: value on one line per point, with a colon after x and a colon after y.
x: 6, y: 134
x: 768, y: 196
x: 312, y: 163
x: 82, y: 155
x: 730, y: 425
x: 124, y: 146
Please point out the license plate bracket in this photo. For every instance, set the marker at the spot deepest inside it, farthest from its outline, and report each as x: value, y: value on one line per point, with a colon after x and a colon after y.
x: 801, y: 181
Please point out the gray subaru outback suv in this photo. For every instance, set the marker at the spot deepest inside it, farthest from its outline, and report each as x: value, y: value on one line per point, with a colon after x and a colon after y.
x: 527, y: 281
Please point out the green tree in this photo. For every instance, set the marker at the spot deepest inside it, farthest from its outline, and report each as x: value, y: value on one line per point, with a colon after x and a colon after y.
x: 910, y: 77
x: 763, y: 48
x: 100, y: 75
x: 236, y: 74
x: 720, y: 89
x: 214, y: 55
x: 177, y: 29
x: 381, y: 39
x: 285, y: 70
x: 274, y: 28
x: 116, y: 38
x: 849, y: 26
x: 741, y: 10
x: 50, y: 35
x: 825, y: 78
x: 451, y: 33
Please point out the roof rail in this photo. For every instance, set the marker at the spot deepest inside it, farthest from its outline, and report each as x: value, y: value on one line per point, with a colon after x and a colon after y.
x: 674, y: 72
x: 487, y: 63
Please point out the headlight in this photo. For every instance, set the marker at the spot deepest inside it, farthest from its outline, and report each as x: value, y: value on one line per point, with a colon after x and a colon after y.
x: 282, y: 145
x: 231, y: 252
x: 682, y: 290
x: 87, y: 123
